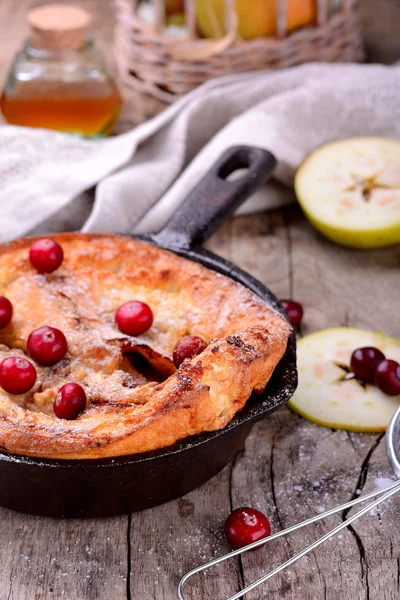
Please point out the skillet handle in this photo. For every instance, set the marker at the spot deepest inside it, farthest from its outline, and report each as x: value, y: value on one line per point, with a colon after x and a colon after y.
x: 216, y: 198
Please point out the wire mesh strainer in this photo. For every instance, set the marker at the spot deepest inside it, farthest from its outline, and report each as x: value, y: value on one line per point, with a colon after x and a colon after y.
x: 393, y: 454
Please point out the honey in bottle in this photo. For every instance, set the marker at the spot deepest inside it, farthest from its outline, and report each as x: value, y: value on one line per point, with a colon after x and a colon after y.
x: 59, y: 80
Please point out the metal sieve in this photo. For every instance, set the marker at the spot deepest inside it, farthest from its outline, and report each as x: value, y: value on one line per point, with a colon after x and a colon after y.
x: 393, y: 454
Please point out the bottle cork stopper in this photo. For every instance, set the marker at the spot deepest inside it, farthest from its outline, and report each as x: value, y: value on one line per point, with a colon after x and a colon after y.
x: 58, y: 26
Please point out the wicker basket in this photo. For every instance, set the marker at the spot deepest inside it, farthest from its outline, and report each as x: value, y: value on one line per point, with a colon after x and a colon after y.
x: 164, y: 68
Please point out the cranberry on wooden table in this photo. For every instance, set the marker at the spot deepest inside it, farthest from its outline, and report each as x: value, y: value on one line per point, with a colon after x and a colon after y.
x: 17, y: 375
x: 134, y: 318
x: 47, y: 345
x: 364, y: 361
x: 294, y: 311
x: 6, y: 312
x: 246, y: 525
x: 387, y: 377
x: 188, y: 347
x: 70, y: 401
x: 46, y: 255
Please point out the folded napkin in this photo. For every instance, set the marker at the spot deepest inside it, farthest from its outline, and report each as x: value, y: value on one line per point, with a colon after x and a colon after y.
x: 142, y: 176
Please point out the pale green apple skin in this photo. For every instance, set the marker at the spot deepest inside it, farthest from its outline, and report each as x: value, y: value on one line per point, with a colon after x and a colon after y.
x: 373, y: 237
x: 334, y: 425
x: 307, y: 407
x: 362, y: 240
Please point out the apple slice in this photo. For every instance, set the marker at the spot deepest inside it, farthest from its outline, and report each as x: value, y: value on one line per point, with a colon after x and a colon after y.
x: 327, y: 396
x: 350, y: 191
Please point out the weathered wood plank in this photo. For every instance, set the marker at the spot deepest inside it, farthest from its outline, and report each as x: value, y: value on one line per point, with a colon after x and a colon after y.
x: 356, y: 288
x: 43, y: 559
x: 289, y: 468
x: 293, y: 469
x: 342, y: 286
x: 259, y: 245
x: 169, y: 540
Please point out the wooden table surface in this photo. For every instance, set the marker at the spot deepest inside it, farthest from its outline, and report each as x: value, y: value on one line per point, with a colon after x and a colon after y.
x: 288, y: 468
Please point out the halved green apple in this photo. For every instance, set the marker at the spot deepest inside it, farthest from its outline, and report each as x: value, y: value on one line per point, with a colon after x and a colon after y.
x: 328, y: 394
x: 350, y: 191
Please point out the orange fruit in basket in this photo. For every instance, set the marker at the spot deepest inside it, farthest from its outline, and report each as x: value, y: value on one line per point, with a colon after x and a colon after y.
x: 256, y: 18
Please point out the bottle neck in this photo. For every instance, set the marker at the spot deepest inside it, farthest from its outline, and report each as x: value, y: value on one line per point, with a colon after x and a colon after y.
x: 65, y: 55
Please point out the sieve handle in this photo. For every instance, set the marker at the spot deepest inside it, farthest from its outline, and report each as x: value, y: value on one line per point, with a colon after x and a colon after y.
x: 383, y: 496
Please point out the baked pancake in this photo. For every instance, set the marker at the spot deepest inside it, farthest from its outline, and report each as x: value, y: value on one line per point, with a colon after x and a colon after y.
x: 137, y: 400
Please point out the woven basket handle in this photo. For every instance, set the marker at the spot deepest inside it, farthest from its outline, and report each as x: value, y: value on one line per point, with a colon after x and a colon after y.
x: 216, y: 197
x: 204, y: 48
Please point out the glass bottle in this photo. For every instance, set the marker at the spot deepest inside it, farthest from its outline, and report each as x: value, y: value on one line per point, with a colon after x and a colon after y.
x: 59, y: 80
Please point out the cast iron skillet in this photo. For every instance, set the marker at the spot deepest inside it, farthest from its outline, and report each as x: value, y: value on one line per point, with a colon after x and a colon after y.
x: 105, y: 487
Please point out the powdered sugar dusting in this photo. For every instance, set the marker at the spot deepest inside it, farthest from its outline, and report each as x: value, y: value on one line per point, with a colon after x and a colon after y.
x: 81, y: 298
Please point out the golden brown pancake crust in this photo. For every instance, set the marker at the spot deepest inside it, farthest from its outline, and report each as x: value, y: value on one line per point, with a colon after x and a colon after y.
x: 129, y: 409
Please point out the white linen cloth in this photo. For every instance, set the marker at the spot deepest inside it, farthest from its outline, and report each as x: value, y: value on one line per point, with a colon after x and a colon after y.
x: 142, y: 176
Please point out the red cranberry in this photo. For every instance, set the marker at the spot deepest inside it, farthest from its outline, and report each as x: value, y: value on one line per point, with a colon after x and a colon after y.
x: 294, y: 311
x: 17, y: 375
x: 364, y: 361
x: 70, y: 401
x: 387, y: 377
x: 47, y: 345
x: 6, y: 311
x: 134, y: 318
x: 245, y: 526
x: 46, y: 255
x: 188, y: 347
